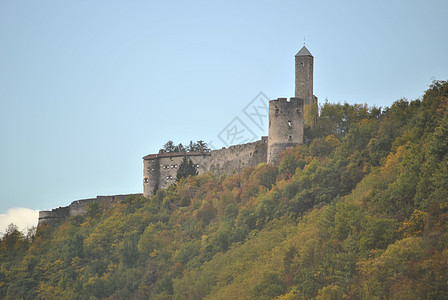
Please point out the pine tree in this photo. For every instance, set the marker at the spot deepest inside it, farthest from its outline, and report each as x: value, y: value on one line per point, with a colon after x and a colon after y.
x: 186, y: 168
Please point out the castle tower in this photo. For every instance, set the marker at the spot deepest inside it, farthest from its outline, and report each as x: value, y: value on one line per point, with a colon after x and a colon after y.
x: 287, y: 118
x: 304, y: 75
x: 304, y: 64
x: 286, y: 126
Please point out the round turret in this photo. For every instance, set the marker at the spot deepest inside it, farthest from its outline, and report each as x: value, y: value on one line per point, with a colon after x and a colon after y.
x: 285, y: 126
x: 304, y: 63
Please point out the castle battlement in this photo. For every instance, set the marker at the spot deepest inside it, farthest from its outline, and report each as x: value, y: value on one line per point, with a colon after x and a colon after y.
x: 286, y: 126
x: 76, y: 208
x: 286, y: 130
x: 160, y: 170
x: 174, y: 154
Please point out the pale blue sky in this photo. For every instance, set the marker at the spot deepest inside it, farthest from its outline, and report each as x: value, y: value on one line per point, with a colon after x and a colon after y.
x: 89, y: 87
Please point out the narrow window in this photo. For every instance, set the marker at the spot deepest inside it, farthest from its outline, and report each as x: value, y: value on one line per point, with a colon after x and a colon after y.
x: 289, y: 124
x: 290, y: 137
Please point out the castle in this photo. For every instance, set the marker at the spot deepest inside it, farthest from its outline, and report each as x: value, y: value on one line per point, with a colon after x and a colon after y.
x: 286, y: 128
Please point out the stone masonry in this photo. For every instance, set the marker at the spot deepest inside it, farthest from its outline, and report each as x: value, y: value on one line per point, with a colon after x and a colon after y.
x: 76, y: 208
x: 286, y: 127
x: 160, y: 170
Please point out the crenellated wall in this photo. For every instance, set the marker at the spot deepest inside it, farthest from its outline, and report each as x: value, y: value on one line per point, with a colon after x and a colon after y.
x: 287, y: 119
x: 160, y: 170
x: 76, y: 208
x: 285, y: 126
x: 286, y: 129
x: 233, y: 159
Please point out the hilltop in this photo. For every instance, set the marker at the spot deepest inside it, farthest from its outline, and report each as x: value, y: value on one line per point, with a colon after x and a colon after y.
x: 359, y: 212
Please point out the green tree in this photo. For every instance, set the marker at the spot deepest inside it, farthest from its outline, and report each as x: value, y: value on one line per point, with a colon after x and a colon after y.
x: 129, y: 250
x: 202, y: 146
x: 199, y: 146
x: 169, y: 146
x: 288, y: 165
x: 270, y: 286
x: 180, y: 148
x: 186, y: 169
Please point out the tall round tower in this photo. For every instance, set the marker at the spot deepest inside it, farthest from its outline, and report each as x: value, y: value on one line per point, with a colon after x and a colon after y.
x: 304, y: 75
x: 287, y: 117
x: 286, y: 125
x: 304, y: 64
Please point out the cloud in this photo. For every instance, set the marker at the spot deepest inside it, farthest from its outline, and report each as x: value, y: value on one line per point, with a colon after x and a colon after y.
x: 22, y: 217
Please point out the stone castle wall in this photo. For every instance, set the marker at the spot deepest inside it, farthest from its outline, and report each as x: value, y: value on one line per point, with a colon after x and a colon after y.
x: 233, y: 159
x: 76, y: 208
x: 285, y: 126
x: 160, y: 170
x: 286, y: 129
x: 54, y: 216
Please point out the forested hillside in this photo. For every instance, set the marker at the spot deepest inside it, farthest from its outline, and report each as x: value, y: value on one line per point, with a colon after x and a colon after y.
x: 359, y: 212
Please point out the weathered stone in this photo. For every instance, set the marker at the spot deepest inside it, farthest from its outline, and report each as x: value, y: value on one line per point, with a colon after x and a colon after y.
x: 286, y: 127
x: 160, y: 170
x: 76, y: 208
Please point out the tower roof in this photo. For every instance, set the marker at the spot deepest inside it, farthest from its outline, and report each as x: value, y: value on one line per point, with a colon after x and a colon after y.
x: 303, y: 52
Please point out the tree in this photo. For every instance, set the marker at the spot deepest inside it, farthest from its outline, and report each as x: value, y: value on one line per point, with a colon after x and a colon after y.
x: 288, y: 165
x: 186, y: 169
x: 180, y: 148
x: 202, y: 146
x: 169, y: 146
x: 129, y: 249
x: 199, y: 146
x: 191, y: 147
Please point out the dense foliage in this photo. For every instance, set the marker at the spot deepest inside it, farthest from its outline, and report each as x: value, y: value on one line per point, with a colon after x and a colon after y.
x: 360, y: 212
x: 186, y: 168
x: 199, y: 146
